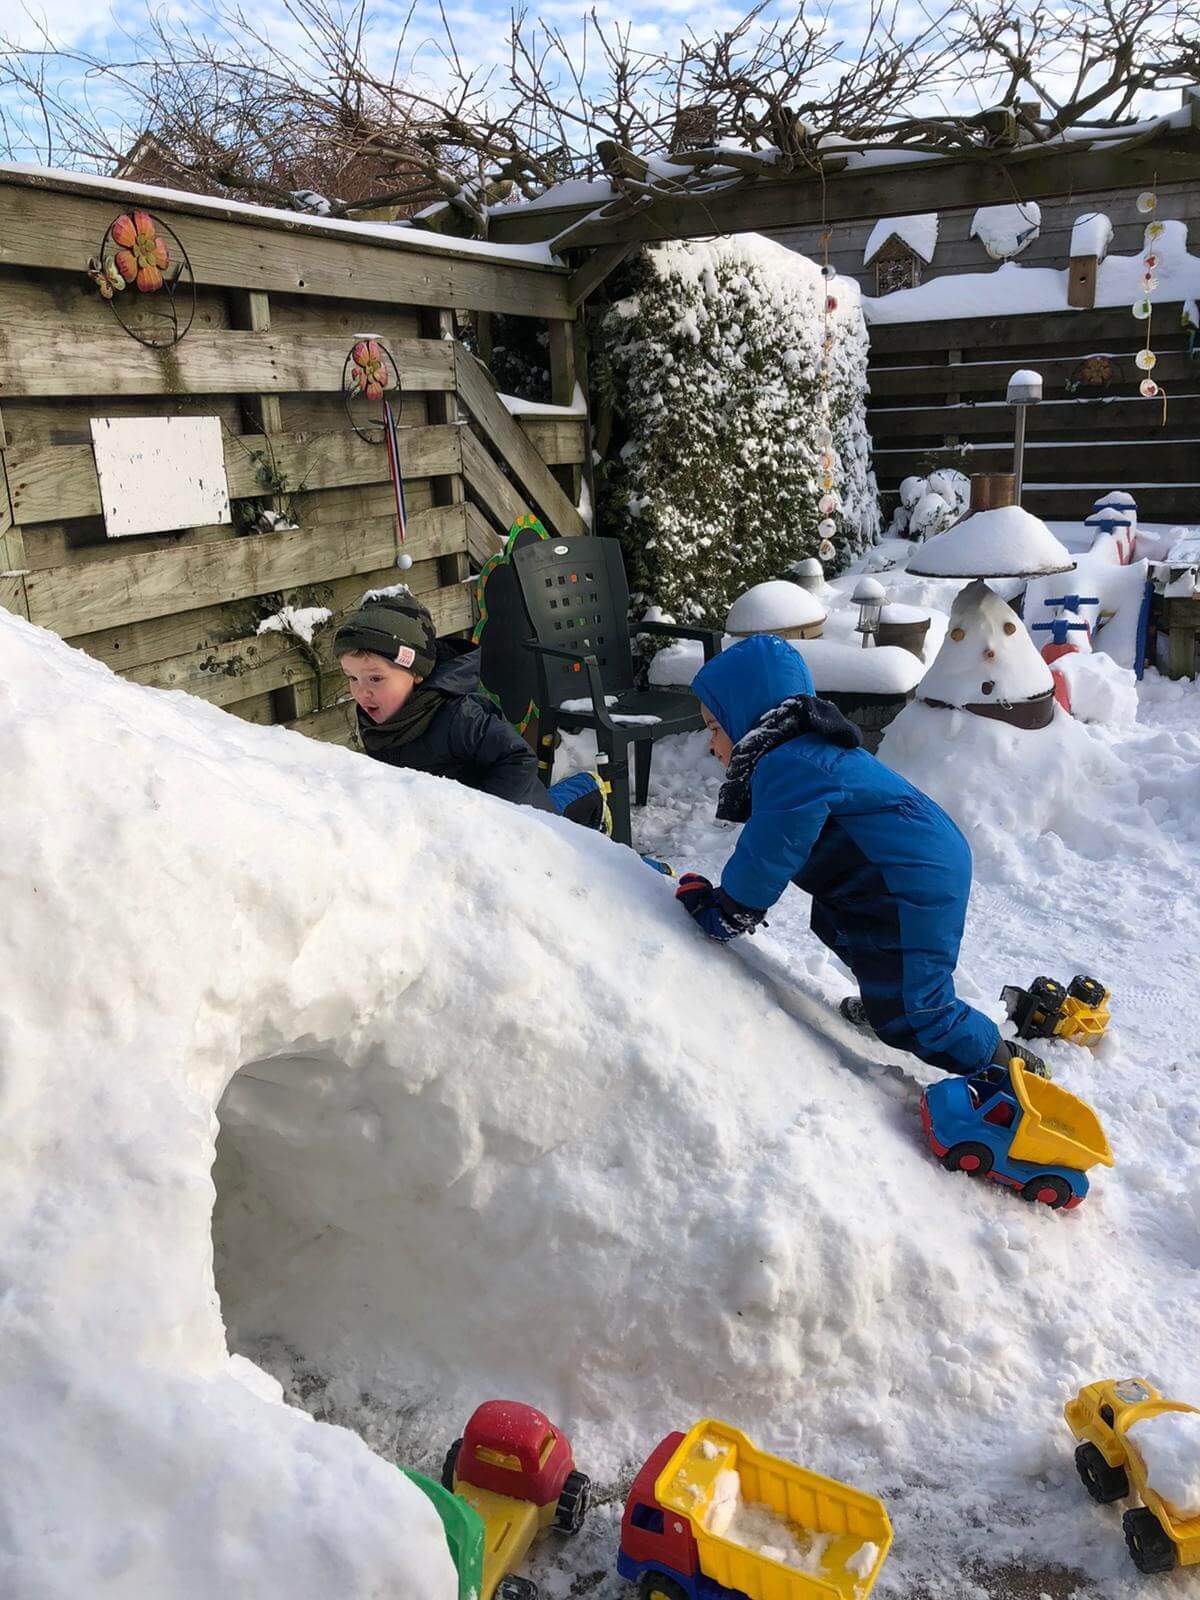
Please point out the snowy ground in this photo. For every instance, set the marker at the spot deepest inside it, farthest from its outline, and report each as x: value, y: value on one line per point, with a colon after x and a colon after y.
x: 505, y: 1121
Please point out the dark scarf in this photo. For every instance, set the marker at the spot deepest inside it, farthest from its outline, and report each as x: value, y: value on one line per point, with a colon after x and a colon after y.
x: 802, y: 713
x: 409, y: 723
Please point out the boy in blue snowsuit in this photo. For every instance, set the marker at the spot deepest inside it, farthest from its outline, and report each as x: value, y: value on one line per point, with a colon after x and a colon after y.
x: 888, y: 871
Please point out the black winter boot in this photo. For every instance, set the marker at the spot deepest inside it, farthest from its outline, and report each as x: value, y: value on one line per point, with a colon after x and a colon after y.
x: 855, y: 1013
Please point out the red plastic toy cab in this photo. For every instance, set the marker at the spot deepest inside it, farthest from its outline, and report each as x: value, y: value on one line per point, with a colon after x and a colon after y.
x: 515, y: 1450
x: 650, y: 1533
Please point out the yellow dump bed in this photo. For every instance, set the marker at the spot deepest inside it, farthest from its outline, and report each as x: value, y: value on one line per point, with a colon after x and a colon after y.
x: 1056, y: 1129
x: 844, y: 1533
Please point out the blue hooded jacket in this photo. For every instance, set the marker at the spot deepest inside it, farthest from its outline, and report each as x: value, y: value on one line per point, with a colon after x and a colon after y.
x: 889, y: 872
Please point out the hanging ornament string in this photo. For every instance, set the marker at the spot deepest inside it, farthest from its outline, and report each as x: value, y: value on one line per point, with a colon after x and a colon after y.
x: 830, y: 502
x: 1143, y: 306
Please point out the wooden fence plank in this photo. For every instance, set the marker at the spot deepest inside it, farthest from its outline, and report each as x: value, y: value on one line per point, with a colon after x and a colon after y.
x: 560, y: 441
x: 1043, y: 329
x: 495, y: 494
x: 44, y: 224
x: 1132, y: 418
x: 991, y: 377
x: 75, y: 600
x: 1163, y: 461
x: 334, y: 725
x: 231, y: 671
x: 53, y: 482
x: 40, y: 357
x: 483, y: 540
x: 531, y: 472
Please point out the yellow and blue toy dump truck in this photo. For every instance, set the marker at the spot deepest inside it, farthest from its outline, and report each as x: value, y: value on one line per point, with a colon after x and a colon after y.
x: 669, y: 1550
x: 1111, y: 1466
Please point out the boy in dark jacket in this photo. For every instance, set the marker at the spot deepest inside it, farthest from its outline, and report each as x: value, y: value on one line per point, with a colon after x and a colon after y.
x: 419, y: 706
x: 888, y: 871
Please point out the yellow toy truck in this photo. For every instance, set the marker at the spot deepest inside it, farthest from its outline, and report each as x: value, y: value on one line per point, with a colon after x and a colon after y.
x: 679, y: 1539
x: 1111, y: 1467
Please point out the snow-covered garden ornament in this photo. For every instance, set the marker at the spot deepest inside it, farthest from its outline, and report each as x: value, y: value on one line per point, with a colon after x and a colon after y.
x: 779, y: 607
x: 1005, y: 542
x: 1143, y: 307
x: 989, y: 665
x: 140, y: 260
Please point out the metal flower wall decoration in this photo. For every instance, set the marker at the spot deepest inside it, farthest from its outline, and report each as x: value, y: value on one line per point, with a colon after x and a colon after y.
x: 141, y: 253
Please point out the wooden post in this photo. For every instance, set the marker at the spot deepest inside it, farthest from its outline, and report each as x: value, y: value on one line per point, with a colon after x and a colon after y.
x: 563, y: 380
x: 12, y: 544
x: 448, y: 490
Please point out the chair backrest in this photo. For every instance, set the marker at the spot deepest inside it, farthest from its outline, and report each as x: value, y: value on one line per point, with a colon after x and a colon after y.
x: 507, y: 671
x: 577, y: 598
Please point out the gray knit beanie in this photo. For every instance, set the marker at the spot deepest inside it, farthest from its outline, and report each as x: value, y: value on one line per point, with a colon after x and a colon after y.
x: 399, y: 628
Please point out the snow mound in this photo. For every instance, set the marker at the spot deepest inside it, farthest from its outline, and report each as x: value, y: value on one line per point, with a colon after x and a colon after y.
x: 1005, y: 231
x: 1008, y: 542
x: 849, y: 669
x: 776, y: 604
x: 1100, y: 689
x: 1170, y: 1447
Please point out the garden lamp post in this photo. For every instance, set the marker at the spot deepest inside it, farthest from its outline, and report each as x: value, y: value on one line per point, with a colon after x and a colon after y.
x: 1024, y: 390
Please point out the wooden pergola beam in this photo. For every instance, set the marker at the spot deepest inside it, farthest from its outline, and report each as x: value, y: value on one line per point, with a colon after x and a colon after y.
x: 1171, y: 154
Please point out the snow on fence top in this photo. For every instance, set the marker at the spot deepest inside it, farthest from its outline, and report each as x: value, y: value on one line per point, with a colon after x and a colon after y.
x: 1091, y: 235
x: 919, y: 233
x: 1004, y: 231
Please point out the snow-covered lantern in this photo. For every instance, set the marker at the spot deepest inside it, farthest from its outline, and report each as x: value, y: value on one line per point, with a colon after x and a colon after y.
x: 779, y: 607
x: 870, y: 597
x: 808, y: 574
x: 1024, y: 390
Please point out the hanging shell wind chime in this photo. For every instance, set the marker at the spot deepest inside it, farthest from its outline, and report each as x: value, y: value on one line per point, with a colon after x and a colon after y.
x: 1143, y: 306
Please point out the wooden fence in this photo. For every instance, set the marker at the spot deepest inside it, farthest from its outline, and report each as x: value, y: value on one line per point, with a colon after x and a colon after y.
x: 937, y: 399
x: 279, y: 303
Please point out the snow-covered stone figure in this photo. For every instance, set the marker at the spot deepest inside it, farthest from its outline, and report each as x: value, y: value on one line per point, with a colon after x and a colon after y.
x: 989, y: 665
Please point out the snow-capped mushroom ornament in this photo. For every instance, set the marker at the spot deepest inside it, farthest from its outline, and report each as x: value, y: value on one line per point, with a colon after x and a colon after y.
x: 778, y: 607
x: 989, y: 665
x: 1007, y: 542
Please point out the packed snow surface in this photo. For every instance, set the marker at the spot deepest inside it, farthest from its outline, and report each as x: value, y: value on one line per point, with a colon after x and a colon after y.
x: 776, y: 604
x: 919, y: 233
x: 494, y: 1119
x: 1006, y: 542
x: 1170, y: 1447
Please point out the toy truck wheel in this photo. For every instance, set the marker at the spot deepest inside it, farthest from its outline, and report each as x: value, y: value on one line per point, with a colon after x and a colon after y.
x: 573, y: 1502
x: 1047, y: 1190
x: 973, y: 1158
x: 655, y: 1587
x: 511, y: 1588
x: 1149, y: 1545
x: 1102, y: 1482
x: 450, y: 1464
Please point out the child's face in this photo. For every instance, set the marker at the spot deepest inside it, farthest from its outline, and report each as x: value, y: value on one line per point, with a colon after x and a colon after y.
x: 378, y: 685
x: 720, y: 744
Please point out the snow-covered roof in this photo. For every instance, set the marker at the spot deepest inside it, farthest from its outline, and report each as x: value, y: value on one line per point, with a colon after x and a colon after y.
x: 400, y: 234
x: 1005, y: 231
x: 1008, y: 542
x: 1014, y: 290
x: 919, y: 233
x: 1091, y: 235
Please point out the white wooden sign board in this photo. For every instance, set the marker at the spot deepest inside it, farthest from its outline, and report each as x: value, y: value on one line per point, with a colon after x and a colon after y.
x: 159, y: 474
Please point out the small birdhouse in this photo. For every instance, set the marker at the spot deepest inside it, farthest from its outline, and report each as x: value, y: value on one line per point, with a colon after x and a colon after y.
x: 899, y: 247
x: 1090, y: 239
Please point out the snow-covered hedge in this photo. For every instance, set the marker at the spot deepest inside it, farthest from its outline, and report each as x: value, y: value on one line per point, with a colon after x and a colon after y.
x: 711, y: 362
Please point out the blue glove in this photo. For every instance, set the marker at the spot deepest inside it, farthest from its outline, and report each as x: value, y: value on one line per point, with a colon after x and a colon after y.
x: 720, y: 917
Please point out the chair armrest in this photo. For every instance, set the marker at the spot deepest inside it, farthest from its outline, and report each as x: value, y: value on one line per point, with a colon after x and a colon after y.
x: 592, y: 667
x: 710, y: 638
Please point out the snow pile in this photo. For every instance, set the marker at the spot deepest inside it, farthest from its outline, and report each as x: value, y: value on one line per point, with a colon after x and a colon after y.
x: 772, y: 605
x: 1006, y: 542
x: 1005, y: 231
x: 713, y: 359
x: 1170, y: 1446
x: 303, y: 621
x: 919, y: 233
x: 1100, y: 689
x: 1091, y: 235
